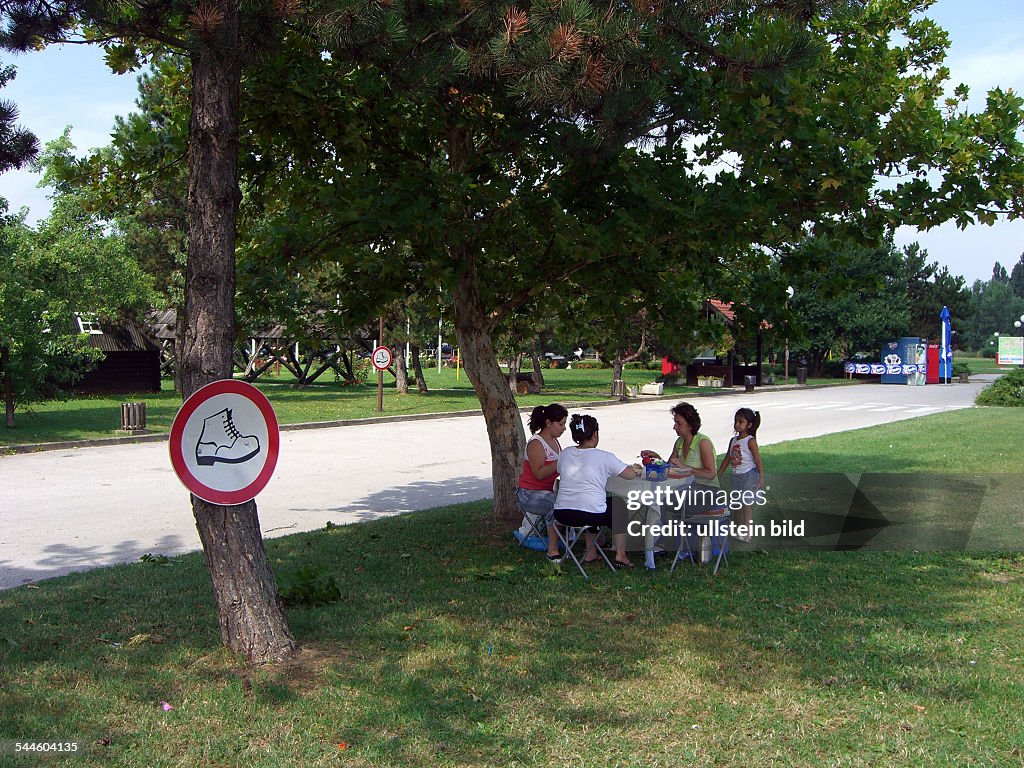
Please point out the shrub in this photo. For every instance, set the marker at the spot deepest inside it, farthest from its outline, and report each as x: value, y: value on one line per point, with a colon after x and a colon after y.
x: 1006, y: 390
x: 361, y: 368
x: 959, y: 368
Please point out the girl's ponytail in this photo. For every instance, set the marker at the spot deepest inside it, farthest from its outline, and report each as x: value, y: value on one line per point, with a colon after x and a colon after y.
x: 542, y: 414
x: 752, y: 417
x: 582, y: 427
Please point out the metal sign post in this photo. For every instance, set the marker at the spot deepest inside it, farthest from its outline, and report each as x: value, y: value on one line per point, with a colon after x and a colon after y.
x: 381, y: 360
x: 380, y: 370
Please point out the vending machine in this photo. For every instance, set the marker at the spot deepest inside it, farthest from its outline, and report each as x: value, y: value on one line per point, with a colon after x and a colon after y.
x: 933, y: 364
x: 898, y: 354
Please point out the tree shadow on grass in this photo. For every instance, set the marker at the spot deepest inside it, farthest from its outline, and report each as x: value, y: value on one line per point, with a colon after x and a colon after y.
x: 414, y: 496
x: 446, y: 650
x: 62, y: 558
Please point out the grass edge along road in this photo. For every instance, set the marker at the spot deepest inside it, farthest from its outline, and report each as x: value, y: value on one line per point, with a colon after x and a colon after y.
x: 449, y: 646
x: 99, y: 416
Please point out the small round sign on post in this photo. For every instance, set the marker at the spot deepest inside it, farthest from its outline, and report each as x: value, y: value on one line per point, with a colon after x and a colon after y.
x: 381, y: 358
x: 224, y: 442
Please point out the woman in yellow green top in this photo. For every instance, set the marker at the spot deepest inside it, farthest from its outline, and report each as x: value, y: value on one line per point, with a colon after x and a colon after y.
x: 693, y: 452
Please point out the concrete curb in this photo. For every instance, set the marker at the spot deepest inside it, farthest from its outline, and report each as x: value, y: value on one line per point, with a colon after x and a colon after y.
x: 156, y: 438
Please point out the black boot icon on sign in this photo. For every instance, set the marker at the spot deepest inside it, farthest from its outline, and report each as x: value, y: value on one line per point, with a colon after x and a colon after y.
x: 221, y: 442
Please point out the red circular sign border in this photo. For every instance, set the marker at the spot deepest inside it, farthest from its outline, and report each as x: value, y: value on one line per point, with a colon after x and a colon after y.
x: 200, y: 396
x: 391, y: 357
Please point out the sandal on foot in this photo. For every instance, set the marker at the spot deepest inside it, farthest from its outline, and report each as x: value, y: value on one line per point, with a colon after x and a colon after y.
x: 619, y: 564
x: 554, y: 558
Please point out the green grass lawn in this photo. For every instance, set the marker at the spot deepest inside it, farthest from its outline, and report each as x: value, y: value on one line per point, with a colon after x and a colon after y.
x: 982, y: 364
x: 451, y: 647
x: 949, y: 481
x: 99, y: 416
x: 90, y: 417
x: 971, y: 440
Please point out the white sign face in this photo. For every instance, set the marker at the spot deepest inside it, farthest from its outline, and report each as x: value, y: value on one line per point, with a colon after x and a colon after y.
x: 381, y: 358
x: 1010, y: 350
x: 224, y: 442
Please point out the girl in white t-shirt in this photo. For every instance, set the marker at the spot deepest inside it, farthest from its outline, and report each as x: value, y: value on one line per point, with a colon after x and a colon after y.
x: 744, y: 458
x: 583, y: 470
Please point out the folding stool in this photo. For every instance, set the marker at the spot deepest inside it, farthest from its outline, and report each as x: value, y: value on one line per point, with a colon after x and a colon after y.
x: 571, y: 536
x: 537, y: 526
x: 719, y: 540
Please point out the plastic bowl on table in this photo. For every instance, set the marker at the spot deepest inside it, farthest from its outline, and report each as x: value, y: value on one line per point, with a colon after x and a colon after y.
x: 656, y: 471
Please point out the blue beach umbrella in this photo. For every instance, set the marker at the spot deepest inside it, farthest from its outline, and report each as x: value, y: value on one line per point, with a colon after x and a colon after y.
x: 945, y: 349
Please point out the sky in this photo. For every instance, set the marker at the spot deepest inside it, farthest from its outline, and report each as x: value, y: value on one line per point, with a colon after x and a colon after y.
x: 70, y: 85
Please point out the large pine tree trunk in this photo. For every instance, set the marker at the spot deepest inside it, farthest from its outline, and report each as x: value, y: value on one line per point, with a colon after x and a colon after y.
x: 252, y: 621
x: 421, y: 383
x: 504, y: 426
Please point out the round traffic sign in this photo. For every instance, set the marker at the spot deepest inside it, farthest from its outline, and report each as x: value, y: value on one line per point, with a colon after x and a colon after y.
x: 381, y: 358
x: 224, y: 442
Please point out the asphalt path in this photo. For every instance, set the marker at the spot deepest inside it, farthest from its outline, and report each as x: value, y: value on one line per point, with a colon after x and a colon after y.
x: 79, y: 508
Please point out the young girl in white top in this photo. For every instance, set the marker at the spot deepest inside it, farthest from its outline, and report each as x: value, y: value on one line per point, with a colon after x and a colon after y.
x: 583, y: 470
x: 745, y: 460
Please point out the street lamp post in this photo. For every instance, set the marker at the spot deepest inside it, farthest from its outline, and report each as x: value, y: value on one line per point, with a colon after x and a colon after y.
x: 789, y: 295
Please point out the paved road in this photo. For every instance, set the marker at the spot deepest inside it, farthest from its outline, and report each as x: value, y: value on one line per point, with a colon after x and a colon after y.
x: 73, y: 509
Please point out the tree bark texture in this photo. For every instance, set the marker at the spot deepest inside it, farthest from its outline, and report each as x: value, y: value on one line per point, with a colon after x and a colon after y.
x: 538, y: 373
x: 501, y: 414
x: 515, y: 362
x: 421, y: 383
x: 252, y: 620
x: 401, y: 371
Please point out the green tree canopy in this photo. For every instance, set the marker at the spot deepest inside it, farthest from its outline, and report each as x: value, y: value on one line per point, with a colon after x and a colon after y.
x: 849, y: 309
x: 70, y: 264
x: 929, y: 289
